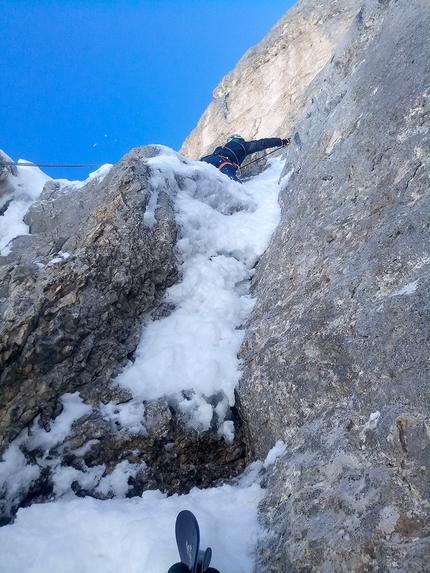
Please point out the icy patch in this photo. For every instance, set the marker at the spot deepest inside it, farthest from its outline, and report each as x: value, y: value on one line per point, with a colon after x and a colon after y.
x: 369, y: 425
x: 128, y: 417
x: 59, y: 258
x: 277, y: 451
x: 337, y: 464
x: 388, y: 519
x: 97, y: 175
x: 100, y: 173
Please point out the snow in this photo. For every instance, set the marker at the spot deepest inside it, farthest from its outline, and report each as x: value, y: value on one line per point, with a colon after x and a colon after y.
x: 371, y: 424
x: 59, y: 259
x: 189, y: 357
x: 407, y: 289
x: 16, y: 476
x: 74, y: 408
x: 86, y: 535
x: 97, y: 175
x: 132, y: 535
x: 277, y: 450
x: 27, y: 187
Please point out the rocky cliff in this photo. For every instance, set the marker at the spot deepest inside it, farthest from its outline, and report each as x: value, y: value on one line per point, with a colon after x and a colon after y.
x: 334, y: 360
x: 336, y: 350
x: 261, y: 96
x: 74, y: 295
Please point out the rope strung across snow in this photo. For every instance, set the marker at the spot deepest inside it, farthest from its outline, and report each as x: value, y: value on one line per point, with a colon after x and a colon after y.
x: 13, y: 163
x: 8, y: 163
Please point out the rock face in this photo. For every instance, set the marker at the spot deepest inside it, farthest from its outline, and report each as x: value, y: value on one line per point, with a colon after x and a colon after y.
x: 74, y: 291
x: 73, y: 297
x: 336, y: 349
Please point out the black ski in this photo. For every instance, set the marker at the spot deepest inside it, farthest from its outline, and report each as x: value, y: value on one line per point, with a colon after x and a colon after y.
x: 188, y: 539
x: 193, y: 559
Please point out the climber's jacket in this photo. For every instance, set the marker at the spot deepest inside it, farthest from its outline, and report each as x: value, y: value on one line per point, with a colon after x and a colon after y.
x: 228, y: 158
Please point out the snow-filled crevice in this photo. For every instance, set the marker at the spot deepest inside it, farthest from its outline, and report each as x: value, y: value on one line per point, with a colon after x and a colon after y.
x: 190, y: 356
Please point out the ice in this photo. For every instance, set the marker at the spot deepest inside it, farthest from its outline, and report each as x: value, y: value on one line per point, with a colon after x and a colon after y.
x: 277, y: 450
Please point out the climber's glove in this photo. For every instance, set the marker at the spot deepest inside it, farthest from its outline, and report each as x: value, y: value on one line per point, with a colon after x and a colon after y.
x: 286, y: 142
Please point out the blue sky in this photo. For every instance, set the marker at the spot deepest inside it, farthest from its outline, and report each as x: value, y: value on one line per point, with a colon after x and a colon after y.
x: 86, y: 81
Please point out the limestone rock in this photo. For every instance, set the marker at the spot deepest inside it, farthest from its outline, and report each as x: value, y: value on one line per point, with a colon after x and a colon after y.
x: 171, y: 457
x: 255, y: 98
x: 335, y: 353
x: 335, y: 357
x: 73, y: 292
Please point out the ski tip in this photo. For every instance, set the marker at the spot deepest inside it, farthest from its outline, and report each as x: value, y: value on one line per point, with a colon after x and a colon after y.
x: 178, y: 568
x: 203, y: 560
x: 185, y: 514
x: 186, y: 518
x: 188, y: 539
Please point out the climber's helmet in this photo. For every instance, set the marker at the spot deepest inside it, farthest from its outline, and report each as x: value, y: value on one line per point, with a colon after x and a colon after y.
x: 234, y: 137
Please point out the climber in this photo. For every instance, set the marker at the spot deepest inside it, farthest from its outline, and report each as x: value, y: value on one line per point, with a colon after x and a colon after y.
x: 228, y: 158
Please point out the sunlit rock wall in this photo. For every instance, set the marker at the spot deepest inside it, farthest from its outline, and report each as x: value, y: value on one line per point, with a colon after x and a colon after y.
x: 255, y: 98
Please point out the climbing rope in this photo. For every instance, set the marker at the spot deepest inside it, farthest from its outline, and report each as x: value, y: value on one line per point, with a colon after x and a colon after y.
x: 13, y: 163
x: 9, y: 163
